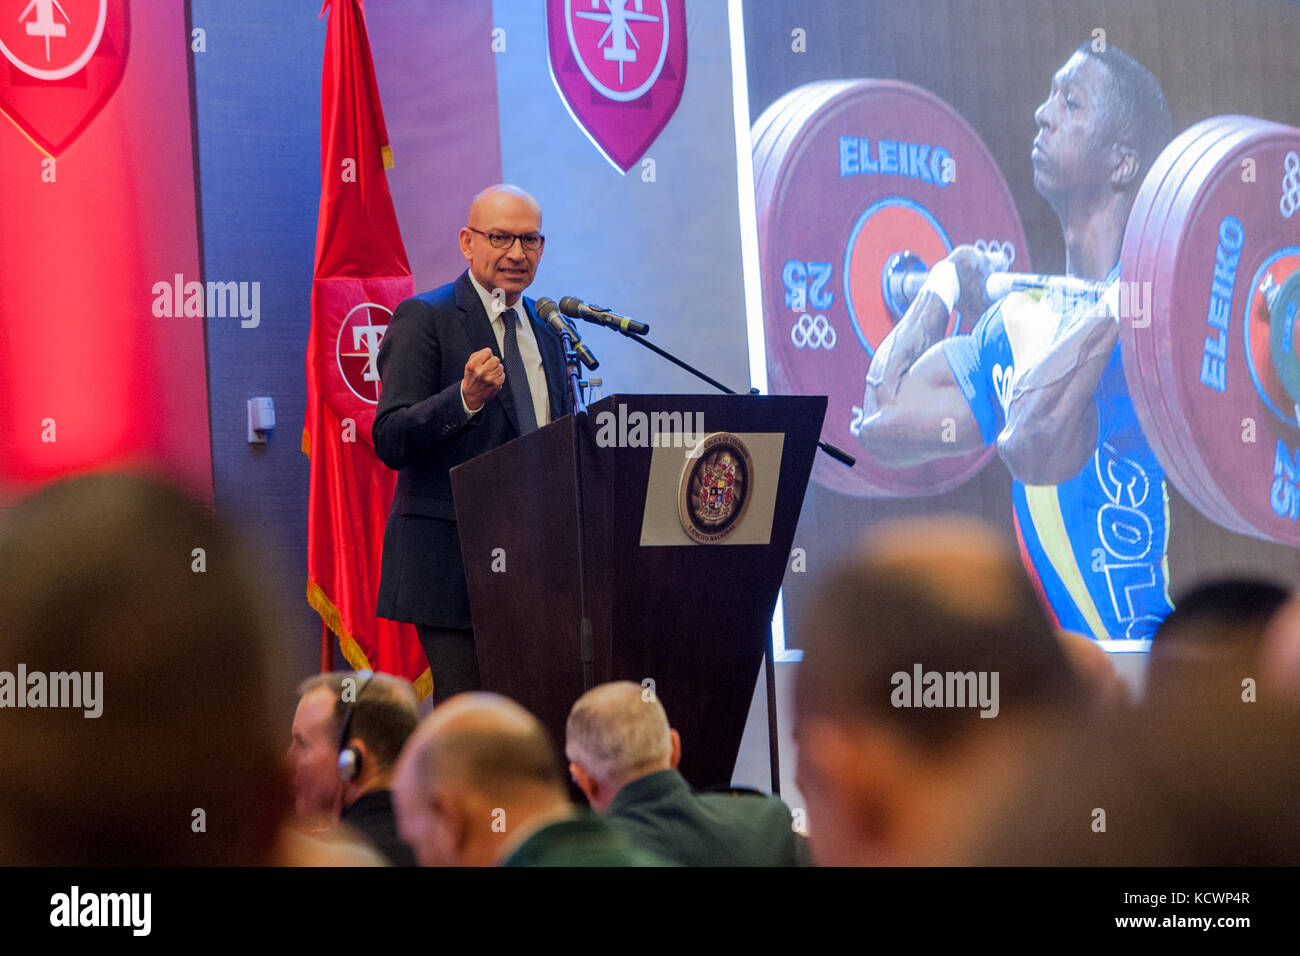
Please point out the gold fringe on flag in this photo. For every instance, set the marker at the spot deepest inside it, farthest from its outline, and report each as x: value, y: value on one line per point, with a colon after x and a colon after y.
x: 352, y: 651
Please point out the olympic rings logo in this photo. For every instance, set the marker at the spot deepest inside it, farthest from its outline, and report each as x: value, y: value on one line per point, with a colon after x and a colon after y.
x: 1006, y: 249
x: 1290, y: 186
x: 813, y: 332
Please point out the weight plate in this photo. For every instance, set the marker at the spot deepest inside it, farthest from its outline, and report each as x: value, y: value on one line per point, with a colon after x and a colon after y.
x: 777, y: 122
x: 1212, y: 499
x: 846, y: 174
x: 1187, y: 470
x: 1228, y: 226
x: 1271, y: 334
x: 1142, y: 241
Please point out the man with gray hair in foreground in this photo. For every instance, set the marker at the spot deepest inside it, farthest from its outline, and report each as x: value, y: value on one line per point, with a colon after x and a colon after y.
x: 480, y: 784
x: 624, y: 756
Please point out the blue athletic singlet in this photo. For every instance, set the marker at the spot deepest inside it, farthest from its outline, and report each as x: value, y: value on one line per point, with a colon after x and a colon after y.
x: 1096, y: 544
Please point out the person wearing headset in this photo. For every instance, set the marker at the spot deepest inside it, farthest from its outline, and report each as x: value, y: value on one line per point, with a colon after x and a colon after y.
x: 347, y: 733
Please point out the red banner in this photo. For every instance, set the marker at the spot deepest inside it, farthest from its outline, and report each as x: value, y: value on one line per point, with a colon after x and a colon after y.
x: 361, y: 275
x: 97, y: 188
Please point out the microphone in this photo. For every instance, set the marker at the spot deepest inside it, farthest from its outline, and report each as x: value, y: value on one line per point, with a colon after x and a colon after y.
x: 578, y: 309
x: 549, y: 313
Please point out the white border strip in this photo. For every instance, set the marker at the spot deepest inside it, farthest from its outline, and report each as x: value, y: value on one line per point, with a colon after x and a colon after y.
x: 748, y: 210
x: 779, y: 653
x: 1125, y: 646
x: 749, y: 258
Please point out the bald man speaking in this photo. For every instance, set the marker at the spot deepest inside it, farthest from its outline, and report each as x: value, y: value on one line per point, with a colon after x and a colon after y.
x: 463, y: 368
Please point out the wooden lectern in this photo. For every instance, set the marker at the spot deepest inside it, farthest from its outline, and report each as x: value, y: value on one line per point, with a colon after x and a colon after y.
x: 685, y: 540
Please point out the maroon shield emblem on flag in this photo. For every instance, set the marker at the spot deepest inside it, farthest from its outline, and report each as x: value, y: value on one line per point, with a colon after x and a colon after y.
x: 60, y: 61
x: 620, y: 66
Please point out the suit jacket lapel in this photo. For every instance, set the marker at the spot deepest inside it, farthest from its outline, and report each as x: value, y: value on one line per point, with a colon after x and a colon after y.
x: 478, y: 328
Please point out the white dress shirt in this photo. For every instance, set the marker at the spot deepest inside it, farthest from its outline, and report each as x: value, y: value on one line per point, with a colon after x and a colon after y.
x: 528, y: 351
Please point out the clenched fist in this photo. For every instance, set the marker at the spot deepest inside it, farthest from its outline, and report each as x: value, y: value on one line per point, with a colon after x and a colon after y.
x: 484, y: 376
x: 974, y: 266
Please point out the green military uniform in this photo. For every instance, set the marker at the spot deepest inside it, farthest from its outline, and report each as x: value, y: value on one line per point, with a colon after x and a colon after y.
x: 660, y: 813
x: 585, y: 840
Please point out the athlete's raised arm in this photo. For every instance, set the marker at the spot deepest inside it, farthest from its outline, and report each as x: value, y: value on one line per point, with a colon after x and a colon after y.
x: 914, y: 410
x: 1051, y: 415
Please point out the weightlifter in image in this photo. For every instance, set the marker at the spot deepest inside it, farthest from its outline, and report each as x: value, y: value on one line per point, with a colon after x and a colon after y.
x: 1043, y: 379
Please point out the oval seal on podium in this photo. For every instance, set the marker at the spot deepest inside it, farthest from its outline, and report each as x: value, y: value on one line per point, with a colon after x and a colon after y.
x: 715, y: 489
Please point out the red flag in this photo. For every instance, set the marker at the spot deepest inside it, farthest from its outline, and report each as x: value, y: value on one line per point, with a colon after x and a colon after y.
x: 361, y: 275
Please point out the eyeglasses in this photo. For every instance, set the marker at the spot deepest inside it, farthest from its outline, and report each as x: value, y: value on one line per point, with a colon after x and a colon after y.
x: 531, y: 241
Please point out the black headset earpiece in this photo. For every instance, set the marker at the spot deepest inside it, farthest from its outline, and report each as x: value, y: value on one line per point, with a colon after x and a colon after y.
x: 350, y: 757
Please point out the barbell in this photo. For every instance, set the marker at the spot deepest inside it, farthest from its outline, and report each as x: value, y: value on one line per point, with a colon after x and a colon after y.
x: 905, y: 274
x: 861, y: 185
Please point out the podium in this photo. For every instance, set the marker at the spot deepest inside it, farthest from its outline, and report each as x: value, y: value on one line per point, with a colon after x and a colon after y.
x: 685, y: 540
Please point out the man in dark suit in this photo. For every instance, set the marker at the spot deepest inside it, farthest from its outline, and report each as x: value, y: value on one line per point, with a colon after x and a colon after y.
x: 624, y: 756
x: 481, y: 784
x: 464, y: 368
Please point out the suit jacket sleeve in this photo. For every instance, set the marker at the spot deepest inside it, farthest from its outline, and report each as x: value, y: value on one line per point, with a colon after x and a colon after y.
x: 418, y: 410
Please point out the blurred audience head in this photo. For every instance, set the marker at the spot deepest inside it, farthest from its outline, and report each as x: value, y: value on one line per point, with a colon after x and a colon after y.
x: 478, y: 775
x: 1211, y: 640
x: 384, y: 713
x: 134, y: 586
x: 1100, y: 685
x: 1279, y: 652
x: 616, y: 733
x: 1174, y: 782
x: 927, y: 663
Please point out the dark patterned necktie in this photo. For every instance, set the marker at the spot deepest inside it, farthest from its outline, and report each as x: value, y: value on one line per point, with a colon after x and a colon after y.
x: 516, y: 377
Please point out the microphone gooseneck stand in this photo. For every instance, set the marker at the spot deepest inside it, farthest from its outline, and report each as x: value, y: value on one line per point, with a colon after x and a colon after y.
x: 586, y: 642
x: 839, y: 454
x: 769, y: 653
